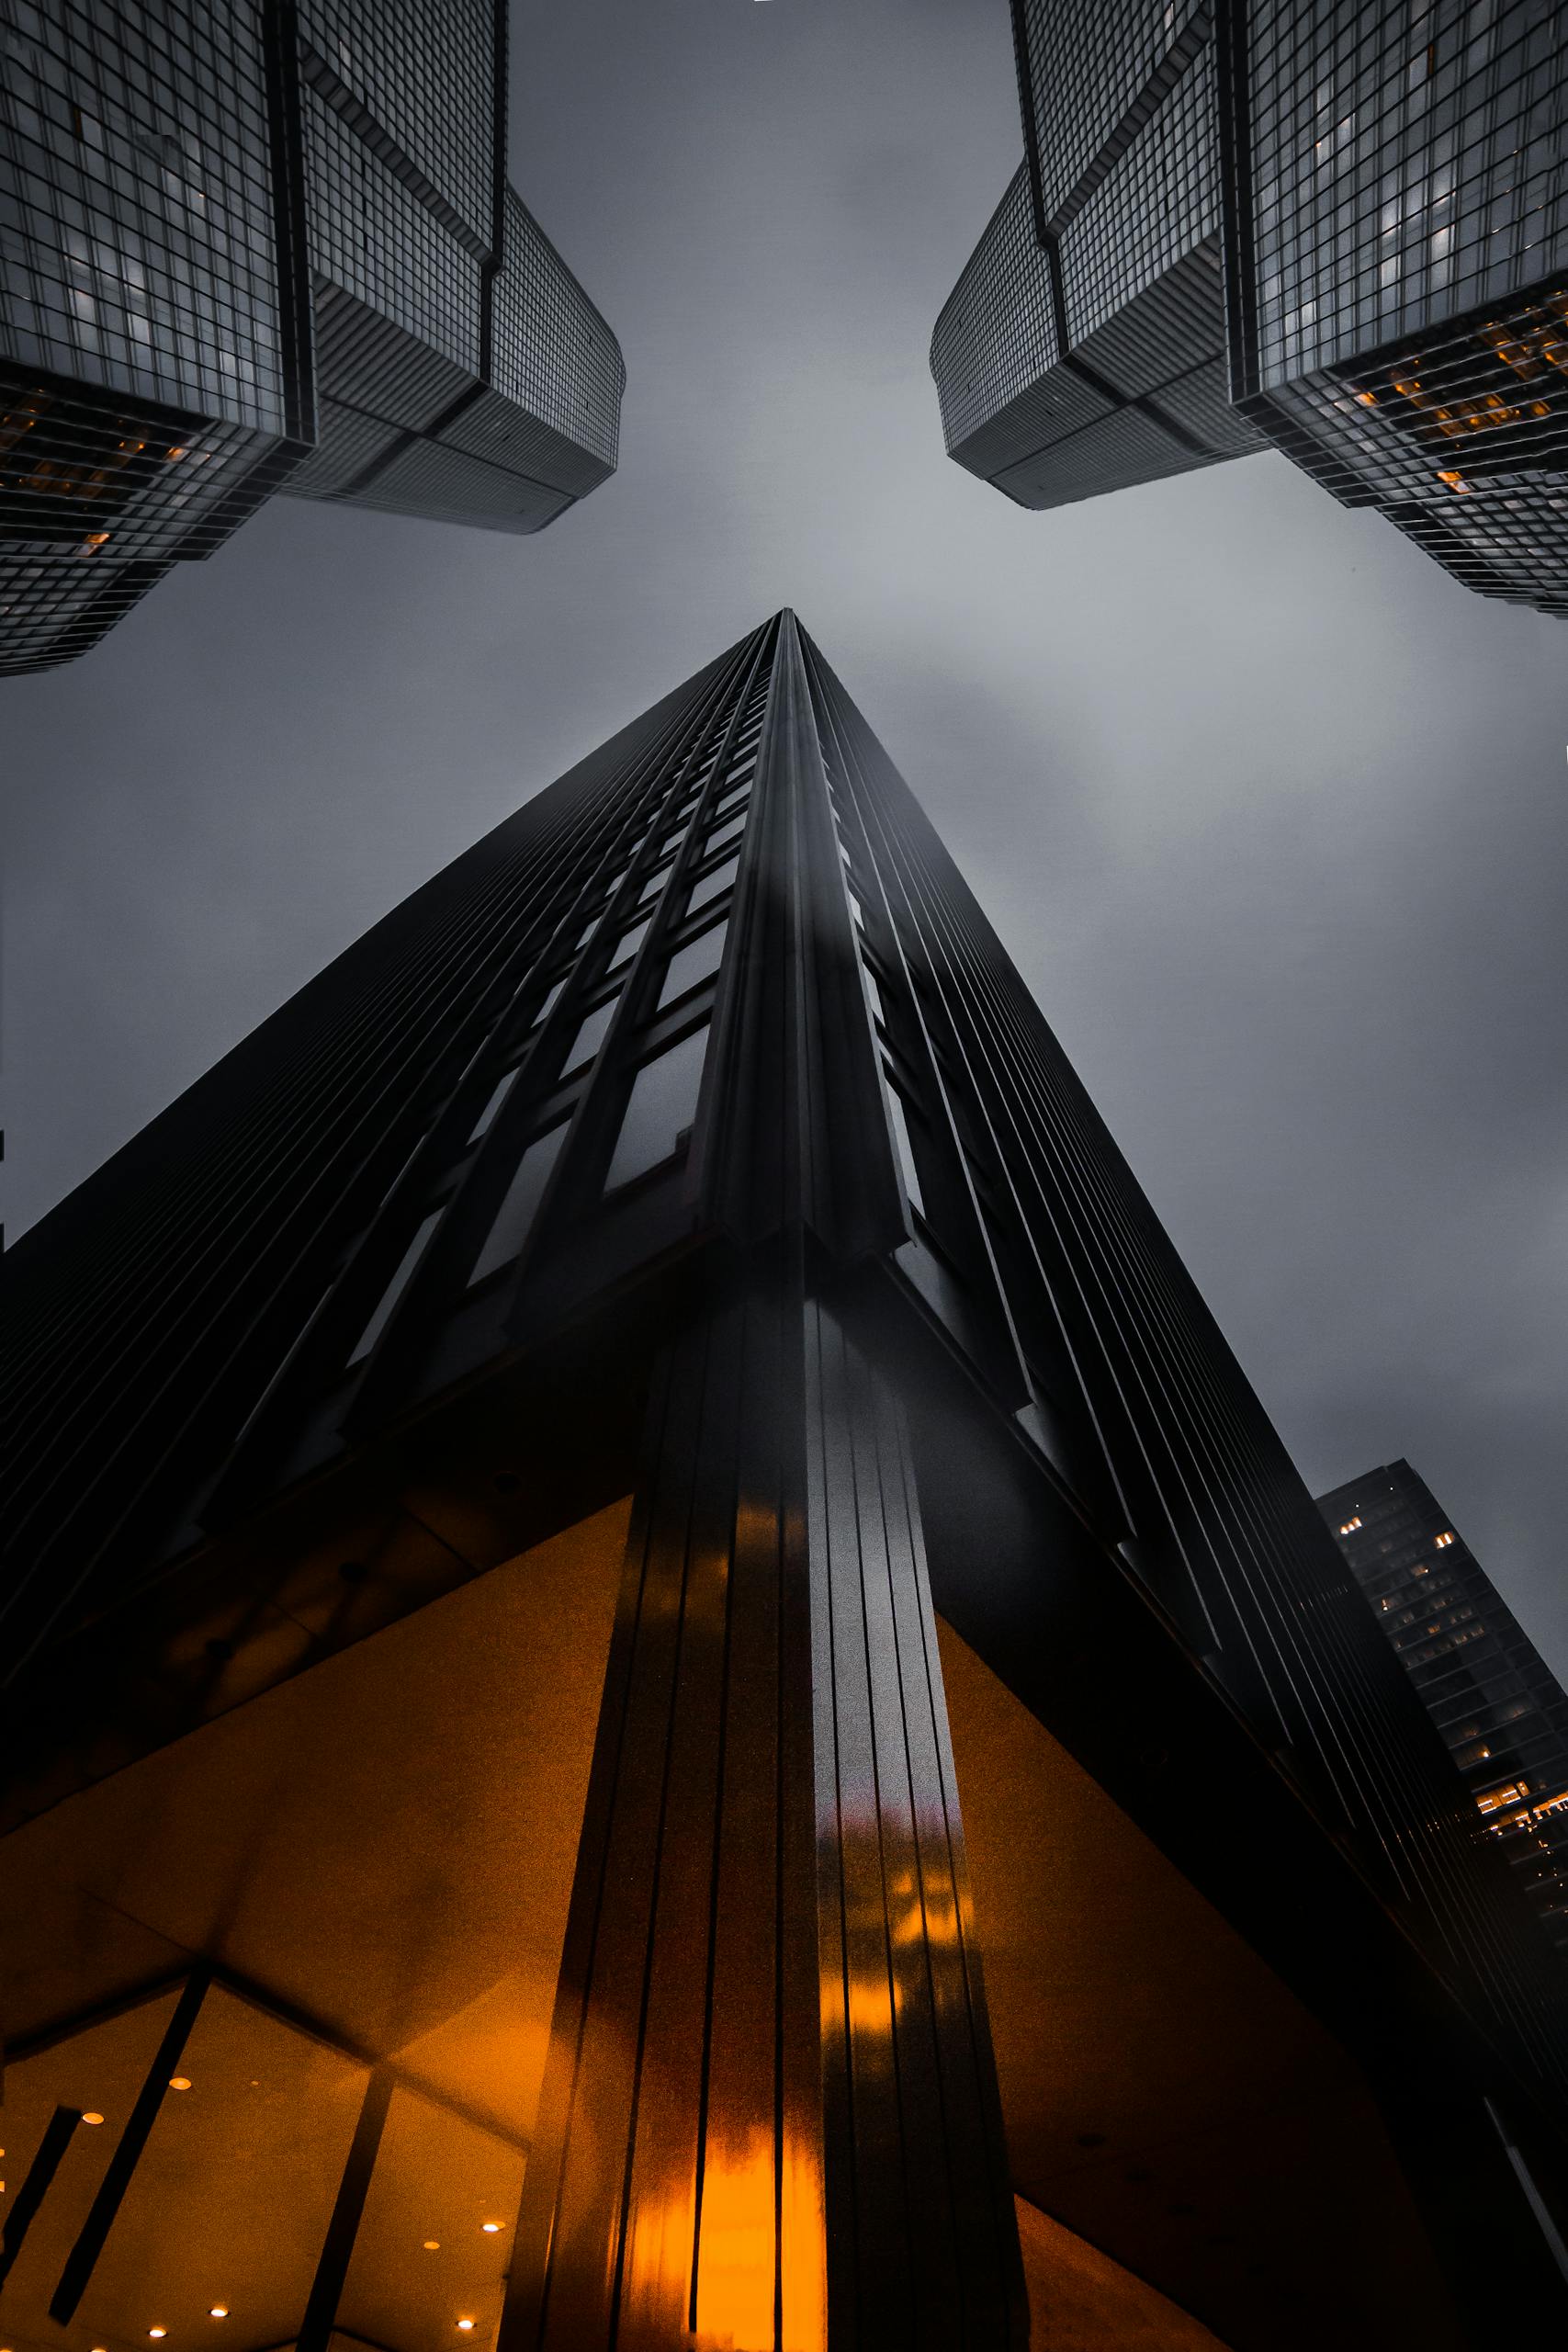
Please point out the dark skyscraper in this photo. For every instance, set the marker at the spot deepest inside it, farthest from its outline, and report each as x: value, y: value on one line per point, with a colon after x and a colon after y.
x: 1342, y: 231
x: 1502, y: 1712
x: 621, y: 1491
x: 257, y: 248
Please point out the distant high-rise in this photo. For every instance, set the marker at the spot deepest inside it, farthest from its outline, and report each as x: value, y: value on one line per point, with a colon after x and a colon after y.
x: 1341, y: 231
x: 1502, y: 1712
x: 254, y: 247
x: 621, y: 1491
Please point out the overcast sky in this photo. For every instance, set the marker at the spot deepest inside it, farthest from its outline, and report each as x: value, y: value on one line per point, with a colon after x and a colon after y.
x: 1272, y: 815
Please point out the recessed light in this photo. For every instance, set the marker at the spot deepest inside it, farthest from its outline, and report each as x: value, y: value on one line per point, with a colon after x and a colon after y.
x: 179, y: 2082
x: 432, y: 2245
x: 218, y: 2311
x: 157, y: 2330
x: 465, y: 2324
x: 490, y: 2228
x: 92, y: 2116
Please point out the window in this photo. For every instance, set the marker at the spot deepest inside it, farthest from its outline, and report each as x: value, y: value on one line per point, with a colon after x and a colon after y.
x: 499, y: 1093
x: 653, y: 886
x: 520, y: 1204
x: 1350, y: 1526
x: 659, y: 1109
x: 905, y: 1147
x: 585, y: 1046
x: 712, y: 885
x: 873, y: 996
x: 857, y: 912
x: 693, y: 963
x: 551, y: 1003
x: 629, y: 942
x: 1443, y: 1542
x: 396, y: 1288
x: 727, y: 832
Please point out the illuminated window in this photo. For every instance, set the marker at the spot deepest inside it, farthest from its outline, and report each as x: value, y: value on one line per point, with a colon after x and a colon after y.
x: 659, y: 1109
x: 396, y: 1288
x: 693, y: 963
x: 520, y: 1204
x: 1443, y: 1542
x: 1350, y: 1526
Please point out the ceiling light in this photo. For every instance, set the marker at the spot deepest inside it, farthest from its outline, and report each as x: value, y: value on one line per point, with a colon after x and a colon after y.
x: 465, y: 2324
x: 157, y: 2330
x: 179, y: 2082
x: 218, y: 2311
x: 432, y: 2245
x: 490, y: 2228
x: 92, y: 2116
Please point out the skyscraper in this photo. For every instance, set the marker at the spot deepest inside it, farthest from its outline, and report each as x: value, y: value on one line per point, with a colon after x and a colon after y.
x: 260, y: 247
x: 1338, y: 231
x: 1083, y: 348
x: 620, y: 1492
x: 1502, y: 1712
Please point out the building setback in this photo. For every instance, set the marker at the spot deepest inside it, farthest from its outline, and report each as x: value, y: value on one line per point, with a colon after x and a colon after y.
x: 1502, y: 1712
x: 1339, y: 231
x: 619, y: 1493
x: 254, y: 247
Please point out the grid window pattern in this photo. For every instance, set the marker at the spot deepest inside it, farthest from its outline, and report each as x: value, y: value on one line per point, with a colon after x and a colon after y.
x: 1092, y: 360
x: 1157, y: 202
x: 1086, y: 62
x: 1407, y: 163
x: 371, y: 236
x: 138, y: 251
x: 1406, y: 261
x: 154, y: 382
x: 424, y: 70
x: 996, y: 337
x: 553, y: 353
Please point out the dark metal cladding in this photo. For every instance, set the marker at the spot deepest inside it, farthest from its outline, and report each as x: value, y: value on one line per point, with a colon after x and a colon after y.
x: 259, y: 247
x: 692, y: 1137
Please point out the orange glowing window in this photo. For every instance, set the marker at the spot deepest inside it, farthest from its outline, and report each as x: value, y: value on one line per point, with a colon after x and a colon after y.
x: 1443, y: 1542
x: 1350, y: 1526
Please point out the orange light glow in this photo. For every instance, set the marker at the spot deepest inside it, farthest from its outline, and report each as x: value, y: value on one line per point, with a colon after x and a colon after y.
x: 218, y: 2311
x: 490, y: 2228
x: 465, y: 2324
x: 432, y: 2245
x: 737, y: 2248
x: 93, y: 542
x: 179, y: 2082
x: 157, y: 2330
x: 92, y: 2116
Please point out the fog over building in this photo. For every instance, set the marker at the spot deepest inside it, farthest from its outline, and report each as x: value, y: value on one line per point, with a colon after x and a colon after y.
x: 665, y: 1684
x: 1502, y: 1712
x: 255, y: 248
x: 1342, y: 231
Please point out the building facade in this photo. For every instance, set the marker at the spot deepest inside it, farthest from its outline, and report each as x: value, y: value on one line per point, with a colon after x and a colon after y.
x: 254, y: 247
x: 1339, y: 231
x: 665, y: 1688
x: 1502, y: 1712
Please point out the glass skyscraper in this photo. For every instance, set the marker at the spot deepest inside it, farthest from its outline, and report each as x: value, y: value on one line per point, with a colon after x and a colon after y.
x: 1340, y: 231
x: 664, y: 1686
x: 254, y: 247
x: 1502, y: 1712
